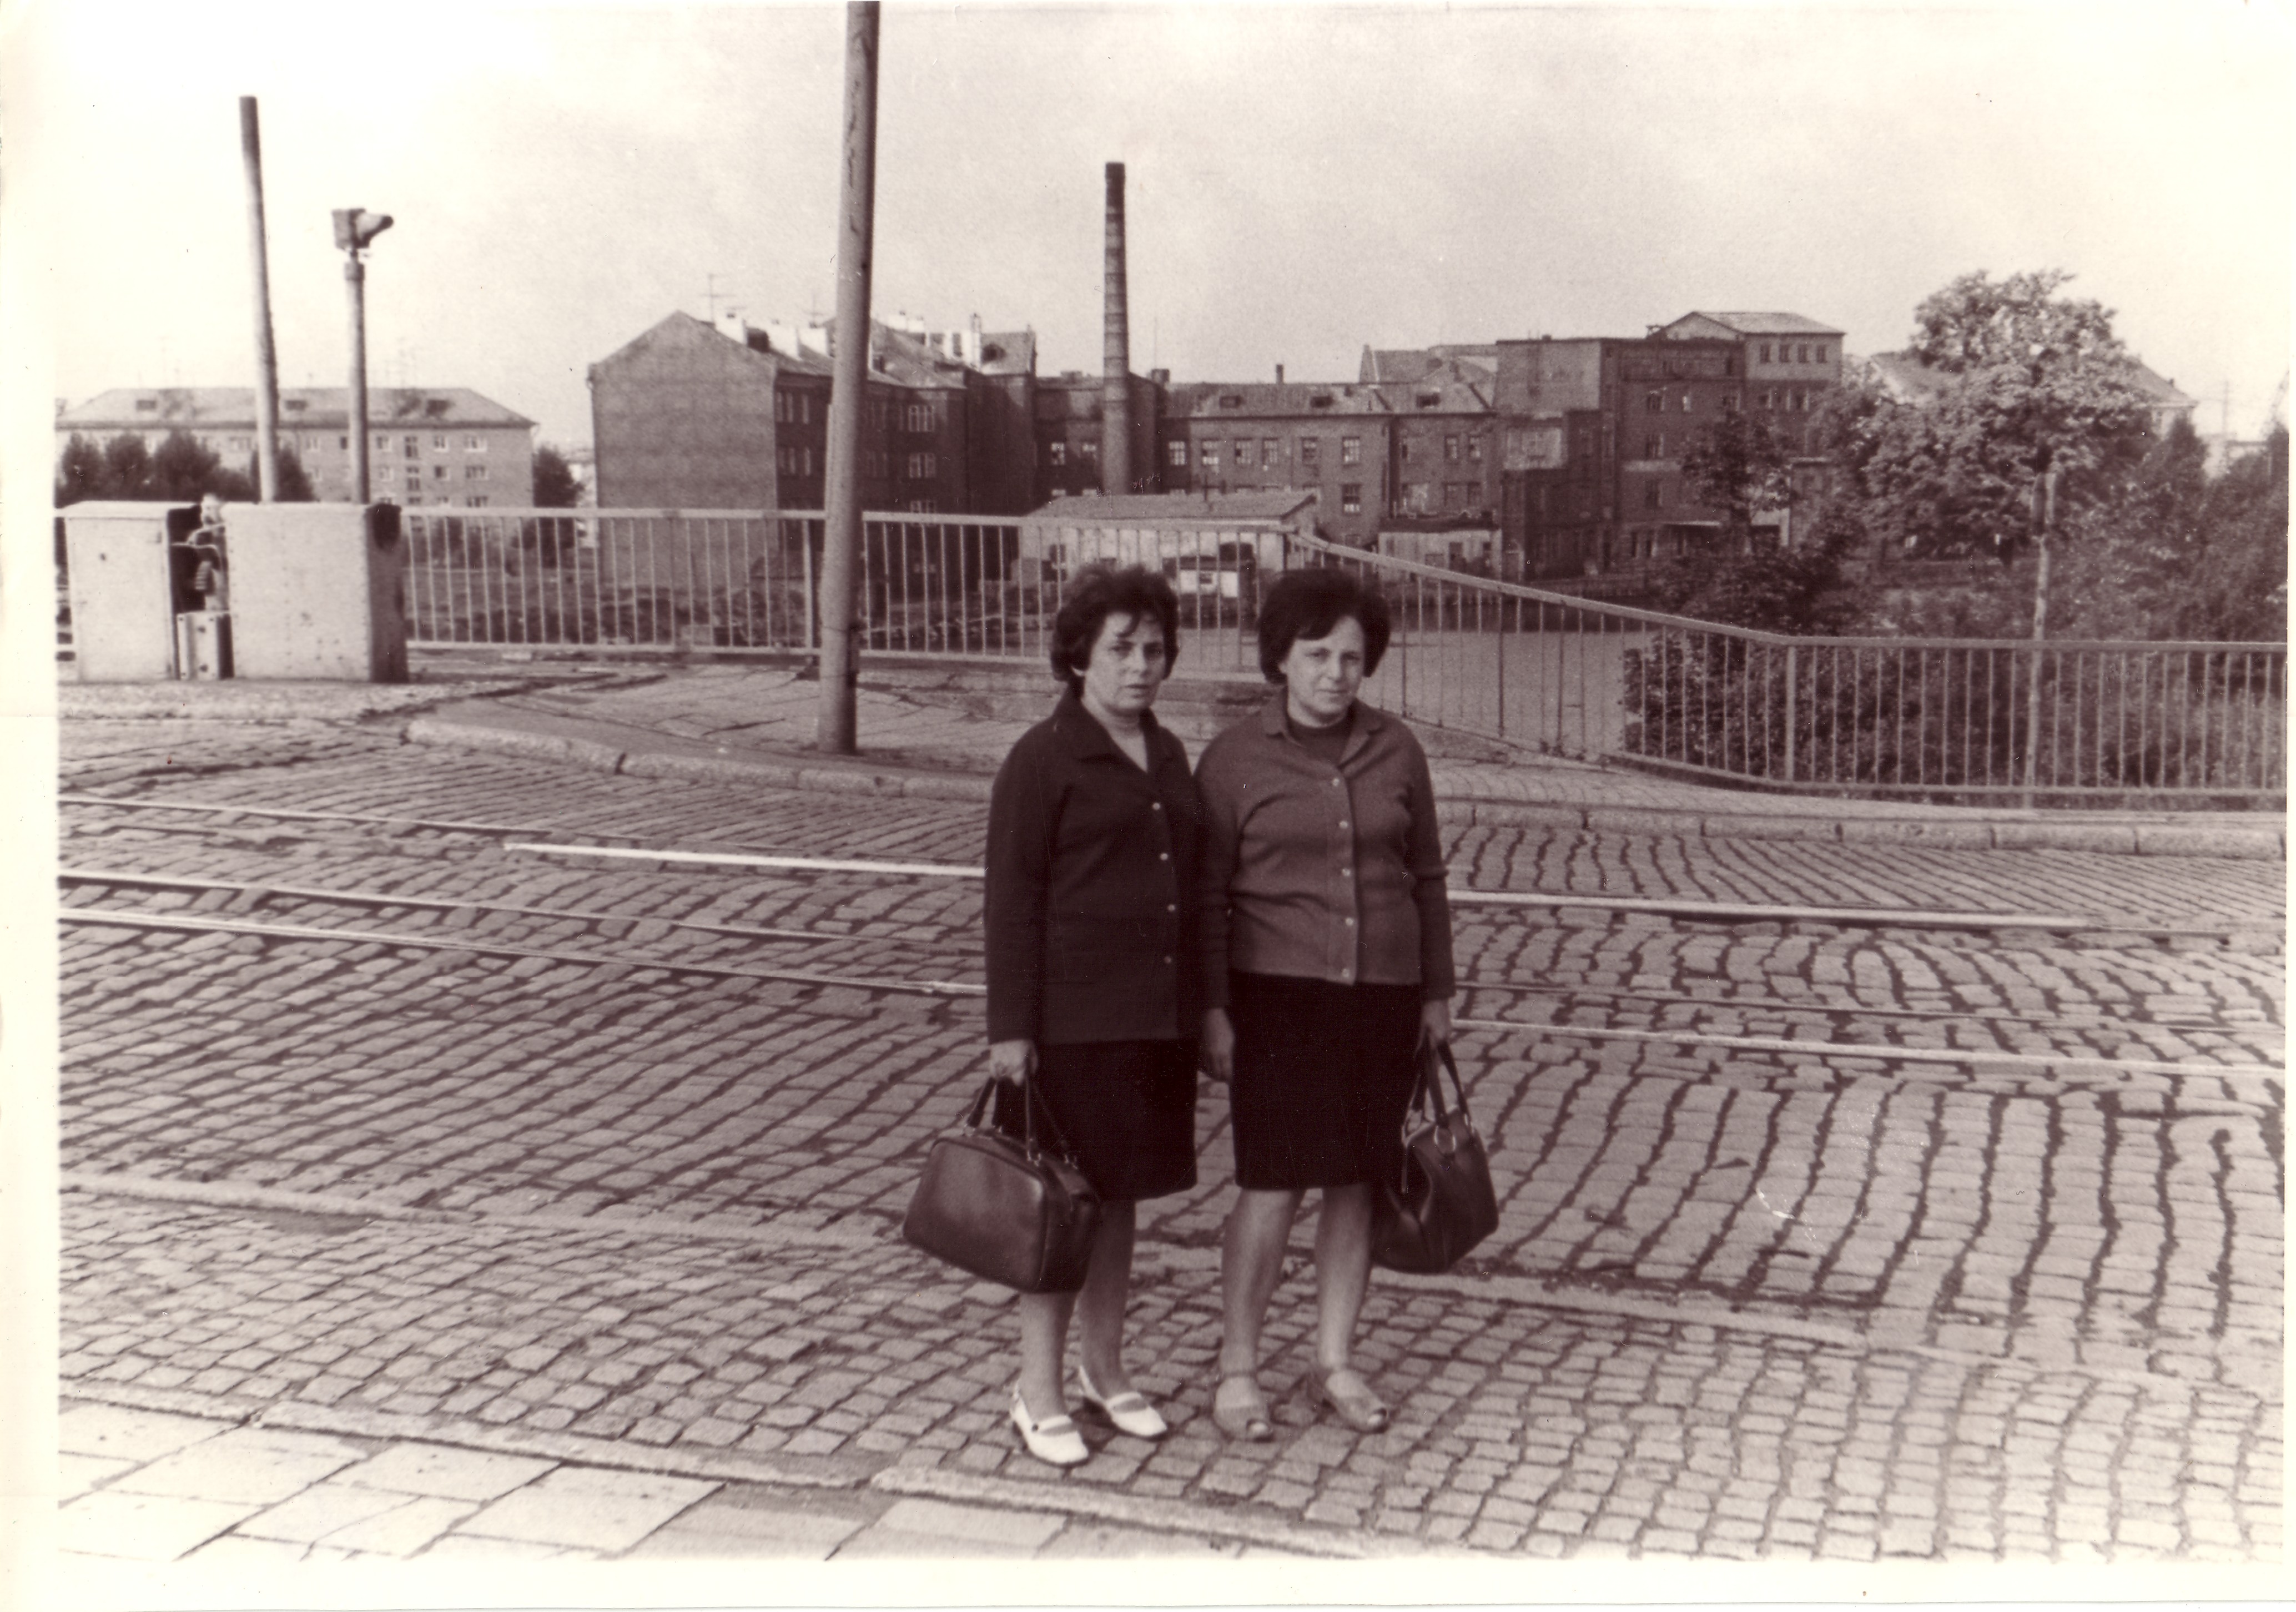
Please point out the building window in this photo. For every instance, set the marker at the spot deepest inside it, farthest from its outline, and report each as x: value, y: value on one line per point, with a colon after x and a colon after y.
x: 413, y: 447
x: 1351, y: 496
x: 1729, y: 403
x: 1454, y: 495
x: 1243, y: 452
x: 922, y: 506
x: 781, y: 410
x: 1057, y: 452
x: 439, y: 443
x: 438, y: 472
x: 1770, y: 399
x: 923, y: 467
x: 344, y: 443
x: 918, y: 417
x: 1766, y: 352
x: 1653, y: 447
x: 1685, y: 400
x: 1652, y: 497
x: 1089, y: 449
x: 474, y: 472
x: 477, y: 503
x: 382, y: 473
x: 1351, y: 451
x: 239, y: 444
x: 1310, y: 449
x: 1175, y: 454
x: 1653, y: 402
x: 474, y: 443
x: 1475, y: 450
x: 1208, y: 457
x: 1451, y: 449
x: 1269, y: 452
x: 1819, y: 353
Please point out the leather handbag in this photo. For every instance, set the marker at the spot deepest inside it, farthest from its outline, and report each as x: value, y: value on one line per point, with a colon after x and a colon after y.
x: 1003, y: 1201
x: 1441, y: 1204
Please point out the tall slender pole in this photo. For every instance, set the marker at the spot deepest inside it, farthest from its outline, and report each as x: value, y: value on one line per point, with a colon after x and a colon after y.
x: 355, y: 280
x: 267, y: 359
x: 834, y: 733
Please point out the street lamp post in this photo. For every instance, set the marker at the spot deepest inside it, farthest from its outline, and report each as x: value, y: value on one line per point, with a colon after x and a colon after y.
x: 356, y: 229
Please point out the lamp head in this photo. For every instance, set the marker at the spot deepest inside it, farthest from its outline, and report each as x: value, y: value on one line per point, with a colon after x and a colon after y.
x: 355, y: 227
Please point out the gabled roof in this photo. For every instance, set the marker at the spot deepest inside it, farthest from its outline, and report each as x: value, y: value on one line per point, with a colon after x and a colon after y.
x: 1262, y: 399
x: 193, y: 408
x: 1908, y: 379
x: 1403, y: 364
x: 1250, y: 503
x: 1701, y: 324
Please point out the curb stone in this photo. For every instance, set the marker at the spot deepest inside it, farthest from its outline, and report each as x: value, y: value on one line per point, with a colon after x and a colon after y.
x: 1978, y: 834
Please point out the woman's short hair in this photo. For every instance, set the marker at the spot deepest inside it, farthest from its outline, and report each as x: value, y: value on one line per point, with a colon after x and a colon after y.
x: 1097, y: 591
x: 1308, y: 604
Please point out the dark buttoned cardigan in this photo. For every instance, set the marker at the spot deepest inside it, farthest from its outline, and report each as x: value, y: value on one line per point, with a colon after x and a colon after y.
x: 1092, y: 887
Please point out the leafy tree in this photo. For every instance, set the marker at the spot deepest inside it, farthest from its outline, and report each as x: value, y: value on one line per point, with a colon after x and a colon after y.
x: 80, y: 474
x: 294, y: 480
x: 182, y: 466
x: 126, y: 467
x: 2032, y: 383
x: 554, y: 484
x: 1738, y: 467
x: 1766, y: 585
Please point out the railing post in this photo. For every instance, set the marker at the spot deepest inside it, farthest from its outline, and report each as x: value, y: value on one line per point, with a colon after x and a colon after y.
x: 1793, y: 685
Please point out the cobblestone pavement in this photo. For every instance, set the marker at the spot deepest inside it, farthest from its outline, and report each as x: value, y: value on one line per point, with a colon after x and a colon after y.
x: 602, y: 1218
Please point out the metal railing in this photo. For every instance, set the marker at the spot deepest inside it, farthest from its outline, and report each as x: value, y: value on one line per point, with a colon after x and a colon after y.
x: 2062, y: 722
x: 1962, y: 719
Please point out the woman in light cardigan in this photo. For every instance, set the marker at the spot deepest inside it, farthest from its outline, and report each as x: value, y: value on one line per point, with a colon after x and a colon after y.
x: 1327, y: 967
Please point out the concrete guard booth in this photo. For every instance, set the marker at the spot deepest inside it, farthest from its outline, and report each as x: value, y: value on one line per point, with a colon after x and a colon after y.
x: 309, y: 593
x: 1213, y: 547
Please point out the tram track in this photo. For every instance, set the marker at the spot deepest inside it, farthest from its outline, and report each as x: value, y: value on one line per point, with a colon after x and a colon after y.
x: 1741, y: 1006
x: 532, y: 840
x: 1695, y: 1036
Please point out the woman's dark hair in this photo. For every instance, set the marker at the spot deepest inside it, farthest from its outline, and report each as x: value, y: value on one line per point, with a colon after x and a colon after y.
x: 1308, y: 604
x: 1097, y: 591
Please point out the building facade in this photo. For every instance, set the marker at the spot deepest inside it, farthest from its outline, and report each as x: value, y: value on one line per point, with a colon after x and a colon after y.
x: 1334, y: 439
x: 442, y: 446
x: 690, y: 415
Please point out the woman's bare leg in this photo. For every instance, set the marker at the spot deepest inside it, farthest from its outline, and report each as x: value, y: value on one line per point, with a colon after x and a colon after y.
x: 1251, y: 1260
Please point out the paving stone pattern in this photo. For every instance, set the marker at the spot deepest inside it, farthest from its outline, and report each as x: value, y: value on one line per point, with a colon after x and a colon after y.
x: 1519, y: 1427
x: 1737, y: 1303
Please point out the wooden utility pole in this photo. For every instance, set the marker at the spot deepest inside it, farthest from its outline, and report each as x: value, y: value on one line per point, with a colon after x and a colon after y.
x: 2045, y: 525
x: 840, y: 667
x: 266, y: 358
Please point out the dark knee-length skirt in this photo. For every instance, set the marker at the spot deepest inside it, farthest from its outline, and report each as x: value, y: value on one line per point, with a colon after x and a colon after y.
x: 1322, y: 1075
x: 1126, y: 1109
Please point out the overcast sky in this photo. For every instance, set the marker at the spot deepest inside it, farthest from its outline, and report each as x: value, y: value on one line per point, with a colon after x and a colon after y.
x: 1303, y: 181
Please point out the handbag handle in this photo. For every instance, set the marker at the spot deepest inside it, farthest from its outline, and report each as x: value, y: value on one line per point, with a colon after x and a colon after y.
x: 1430, y: 1087
x: 1055, y: 1143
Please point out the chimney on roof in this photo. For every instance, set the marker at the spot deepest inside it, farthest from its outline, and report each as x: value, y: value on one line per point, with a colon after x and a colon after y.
x: 1279, y: 374
x: 1116, y: 353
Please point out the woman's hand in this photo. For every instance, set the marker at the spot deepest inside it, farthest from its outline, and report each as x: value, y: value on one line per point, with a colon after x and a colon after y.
x: 1217, y: 1049
x: 1013, y: 1060
x: 1434, y: 1022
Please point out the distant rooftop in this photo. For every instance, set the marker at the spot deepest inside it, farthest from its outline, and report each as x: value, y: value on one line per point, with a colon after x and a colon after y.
x: 1748, y: 324
x: 1252, y: 504
x: 325, y: 407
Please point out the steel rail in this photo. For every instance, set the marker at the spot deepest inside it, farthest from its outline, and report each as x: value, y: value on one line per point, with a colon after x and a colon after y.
x: 1866, y: 916
x: 95, y: 917
x: 1901, y: 1054
x: 441, y: 903
x: 1740, y: 1005
x: 282, y: 931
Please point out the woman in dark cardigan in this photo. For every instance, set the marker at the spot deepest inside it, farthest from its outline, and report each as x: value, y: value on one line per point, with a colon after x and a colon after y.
x: 1094, y: 988
x: 1327, y: 965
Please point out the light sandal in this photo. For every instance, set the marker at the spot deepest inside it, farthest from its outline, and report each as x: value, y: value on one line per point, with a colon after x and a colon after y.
x: 1053, y: 1441
x: 1127, y: 1412
x: 1351, y: 1399
x: 1239, y: 1410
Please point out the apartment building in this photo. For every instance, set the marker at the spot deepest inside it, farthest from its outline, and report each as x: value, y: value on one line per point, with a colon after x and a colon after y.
x: 432, y: 446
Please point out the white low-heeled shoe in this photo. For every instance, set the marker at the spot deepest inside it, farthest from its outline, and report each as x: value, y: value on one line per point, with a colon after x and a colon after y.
x: 1128, y: 1413
x: 1053, y: 1441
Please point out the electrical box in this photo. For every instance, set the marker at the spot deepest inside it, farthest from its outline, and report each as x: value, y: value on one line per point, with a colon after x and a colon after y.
x: 318, y: 592
x: 124, y: 588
